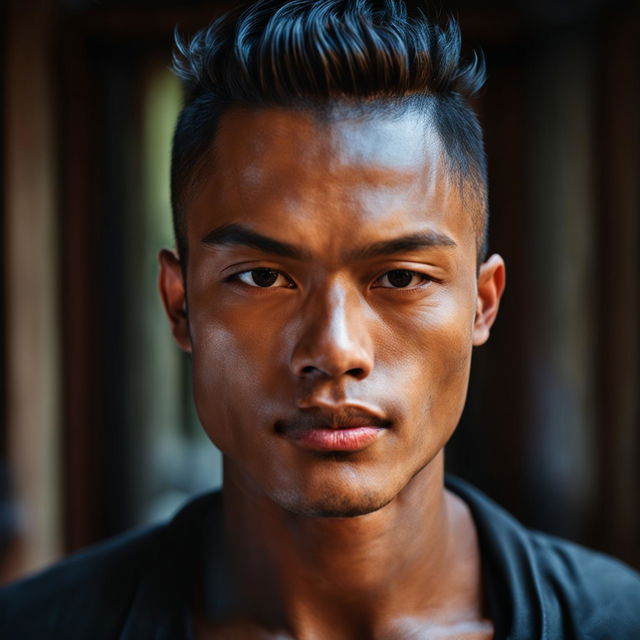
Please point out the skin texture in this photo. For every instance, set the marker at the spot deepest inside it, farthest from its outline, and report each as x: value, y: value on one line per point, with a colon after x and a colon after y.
x: 360, y: 543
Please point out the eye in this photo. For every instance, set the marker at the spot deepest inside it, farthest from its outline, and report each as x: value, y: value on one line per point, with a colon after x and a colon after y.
x: 402, y: 279
x: 263, y: 278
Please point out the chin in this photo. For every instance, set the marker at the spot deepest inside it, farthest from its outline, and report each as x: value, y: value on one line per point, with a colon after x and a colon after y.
x: 334, y: 502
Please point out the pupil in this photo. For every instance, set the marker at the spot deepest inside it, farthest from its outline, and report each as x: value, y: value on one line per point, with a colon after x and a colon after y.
x: 400, y: 278
x: 264, y: 277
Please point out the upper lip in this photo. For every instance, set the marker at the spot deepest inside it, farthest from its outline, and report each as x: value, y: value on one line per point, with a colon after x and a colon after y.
x: 345, y: 417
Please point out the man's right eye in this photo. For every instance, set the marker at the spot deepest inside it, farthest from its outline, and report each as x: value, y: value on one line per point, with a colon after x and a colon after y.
x: 263, y: 278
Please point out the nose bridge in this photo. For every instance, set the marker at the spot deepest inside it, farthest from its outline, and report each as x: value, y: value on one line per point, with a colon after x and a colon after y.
x: 334, y: 339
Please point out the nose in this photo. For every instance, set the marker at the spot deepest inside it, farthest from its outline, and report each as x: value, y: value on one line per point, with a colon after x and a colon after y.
x: 334, y: 340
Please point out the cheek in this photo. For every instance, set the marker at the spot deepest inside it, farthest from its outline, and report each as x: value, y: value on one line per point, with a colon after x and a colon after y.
x: 235, y: 373
x: 436, y: 336
x: 445, y: 355
x: 431, y: 351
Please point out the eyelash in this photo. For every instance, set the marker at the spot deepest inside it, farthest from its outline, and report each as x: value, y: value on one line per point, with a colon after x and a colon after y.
x: 424, y: 279
x: 236, y: 278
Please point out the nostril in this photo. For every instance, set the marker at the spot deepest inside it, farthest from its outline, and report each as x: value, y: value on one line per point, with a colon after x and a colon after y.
x: 356, y: 372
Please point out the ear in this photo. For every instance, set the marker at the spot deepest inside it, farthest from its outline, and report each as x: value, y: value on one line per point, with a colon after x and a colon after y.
x: 491, y: 281
x: 172, y: 291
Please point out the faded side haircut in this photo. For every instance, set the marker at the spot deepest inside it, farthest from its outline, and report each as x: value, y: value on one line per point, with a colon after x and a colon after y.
x: 314, y: 54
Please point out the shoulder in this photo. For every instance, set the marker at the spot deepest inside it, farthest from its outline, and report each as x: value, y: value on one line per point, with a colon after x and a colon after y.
x: 73, y: 595
x: 133, y: 580
x: 550, y: 587
x: 592, y: 589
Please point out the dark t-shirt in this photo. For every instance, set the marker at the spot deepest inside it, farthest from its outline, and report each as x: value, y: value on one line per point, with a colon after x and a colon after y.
x: 139, y: 586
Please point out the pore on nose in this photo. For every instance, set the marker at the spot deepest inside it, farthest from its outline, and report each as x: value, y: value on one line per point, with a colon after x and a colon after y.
x: 334, y: 342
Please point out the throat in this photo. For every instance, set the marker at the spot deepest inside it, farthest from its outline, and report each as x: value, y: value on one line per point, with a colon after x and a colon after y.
x: 416, y: 558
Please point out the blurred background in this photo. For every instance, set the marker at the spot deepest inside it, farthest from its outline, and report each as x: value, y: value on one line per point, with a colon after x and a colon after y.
x: 98, y: 433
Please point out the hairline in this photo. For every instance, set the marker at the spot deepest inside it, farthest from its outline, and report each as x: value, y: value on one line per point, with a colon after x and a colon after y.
x: 471, y: 186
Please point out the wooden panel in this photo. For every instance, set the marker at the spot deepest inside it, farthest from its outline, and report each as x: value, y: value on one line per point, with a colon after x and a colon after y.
x: 32, y: 365
x: 617, y: 267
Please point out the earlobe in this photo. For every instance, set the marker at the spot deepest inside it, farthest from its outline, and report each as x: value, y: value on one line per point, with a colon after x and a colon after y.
x: 491, y: 282
x: 173, y: 294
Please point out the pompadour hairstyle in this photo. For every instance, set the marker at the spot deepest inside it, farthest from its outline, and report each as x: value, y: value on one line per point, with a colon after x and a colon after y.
x: 375, y: 55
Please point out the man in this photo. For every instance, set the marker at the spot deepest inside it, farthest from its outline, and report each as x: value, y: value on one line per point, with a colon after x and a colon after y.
x: 331, y: 279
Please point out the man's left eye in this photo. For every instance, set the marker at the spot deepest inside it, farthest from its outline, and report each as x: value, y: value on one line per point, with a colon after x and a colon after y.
x: 401, y: 279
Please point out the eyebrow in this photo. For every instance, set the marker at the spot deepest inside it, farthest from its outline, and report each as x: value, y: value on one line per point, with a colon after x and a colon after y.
x: 238, y: 234
x: 423, y: 240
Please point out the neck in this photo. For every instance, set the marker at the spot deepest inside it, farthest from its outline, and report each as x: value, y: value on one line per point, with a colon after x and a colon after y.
x: 294, y: 572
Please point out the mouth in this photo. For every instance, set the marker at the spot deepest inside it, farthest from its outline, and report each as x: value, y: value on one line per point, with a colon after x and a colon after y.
x: 349, y: 429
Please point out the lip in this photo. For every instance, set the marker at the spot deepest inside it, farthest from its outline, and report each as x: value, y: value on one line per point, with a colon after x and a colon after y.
x: 341, y: 439
x: 348, y: 428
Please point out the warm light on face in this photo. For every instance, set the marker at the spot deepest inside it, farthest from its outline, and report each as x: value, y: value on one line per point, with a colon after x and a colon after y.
x: 331, y: 285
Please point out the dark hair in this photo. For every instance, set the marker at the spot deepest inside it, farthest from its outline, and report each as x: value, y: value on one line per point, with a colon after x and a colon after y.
x: 312, y: 54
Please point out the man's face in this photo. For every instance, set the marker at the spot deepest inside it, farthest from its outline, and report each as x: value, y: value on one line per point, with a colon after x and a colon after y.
x: 332, y: 305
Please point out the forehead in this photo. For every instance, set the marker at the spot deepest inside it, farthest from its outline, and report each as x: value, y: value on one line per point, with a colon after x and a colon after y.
x: 341, y: 135
x: 254, y: 143
x: 342, y: 170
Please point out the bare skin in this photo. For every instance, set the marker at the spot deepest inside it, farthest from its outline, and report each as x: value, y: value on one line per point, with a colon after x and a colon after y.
x: 337, y: 327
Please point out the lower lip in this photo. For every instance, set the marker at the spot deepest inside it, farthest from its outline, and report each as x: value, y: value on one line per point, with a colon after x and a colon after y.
x: 353, y: 439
